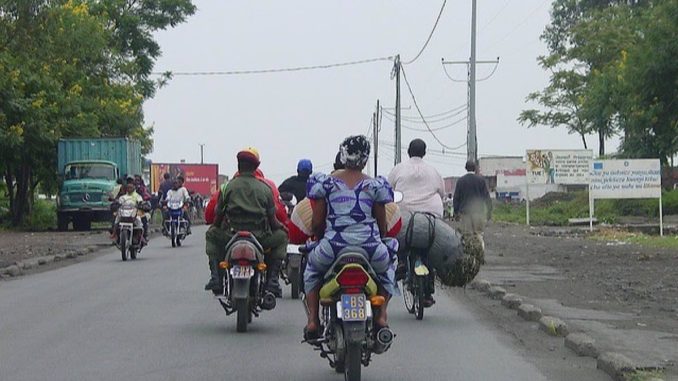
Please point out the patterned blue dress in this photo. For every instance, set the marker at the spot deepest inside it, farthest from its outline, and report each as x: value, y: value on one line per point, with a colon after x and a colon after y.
x: 350, y: 223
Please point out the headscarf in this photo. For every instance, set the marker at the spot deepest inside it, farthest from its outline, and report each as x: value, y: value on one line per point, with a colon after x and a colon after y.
x: 355, y: 150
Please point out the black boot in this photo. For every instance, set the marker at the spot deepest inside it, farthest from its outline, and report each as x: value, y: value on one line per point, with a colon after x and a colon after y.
x: 273, y: 267
x: 214, y: 284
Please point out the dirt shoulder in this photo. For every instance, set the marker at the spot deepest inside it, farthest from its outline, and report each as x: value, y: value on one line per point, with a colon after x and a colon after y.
x: 625, y: 295
x: 21, y: 246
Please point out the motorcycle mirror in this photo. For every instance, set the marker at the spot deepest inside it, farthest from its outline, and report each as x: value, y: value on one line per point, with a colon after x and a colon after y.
x: 397, y: 196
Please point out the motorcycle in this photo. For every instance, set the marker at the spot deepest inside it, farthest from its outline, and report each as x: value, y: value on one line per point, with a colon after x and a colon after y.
x: 176, y: 226
x: 418, y: 283
x: 244, y: 276
x: 130, y: 239
x: 290, y: 271
x: 348, y: 301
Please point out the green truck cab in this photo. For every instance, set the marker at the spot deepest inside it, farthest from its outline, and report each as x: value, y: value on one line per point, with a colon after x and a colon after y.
x: 89, y: 169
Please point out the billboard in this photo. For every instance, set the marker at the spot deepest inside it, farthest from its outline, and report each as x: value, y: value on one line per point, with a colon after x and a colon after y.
x: 637, y: 178
x: 558, y: 166
x: 200, y: 178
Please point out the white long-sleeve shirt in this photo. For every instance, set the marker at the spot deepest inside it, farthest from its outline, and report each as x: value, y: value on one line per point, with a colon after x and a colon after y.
x: 422, y: 186
x: 180, y: 194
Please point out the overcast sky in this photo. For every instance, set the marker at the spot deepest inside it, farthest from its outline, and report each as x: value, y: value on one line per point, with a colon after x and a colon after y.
x: 306, y: 114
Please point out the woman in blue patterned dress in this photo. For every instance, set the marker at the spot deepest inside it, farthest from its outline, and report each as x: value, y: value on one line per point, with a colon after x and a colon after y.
x: 349, y: 211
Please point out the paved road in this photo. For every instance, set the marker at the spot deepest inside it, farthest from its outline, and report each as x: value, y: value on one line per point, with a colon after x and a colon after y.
x: 105, y: 319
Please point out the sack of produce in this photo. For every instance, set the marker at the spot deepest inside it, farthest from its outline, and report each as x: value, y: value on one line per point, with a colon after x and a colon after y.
x: 456, y: 258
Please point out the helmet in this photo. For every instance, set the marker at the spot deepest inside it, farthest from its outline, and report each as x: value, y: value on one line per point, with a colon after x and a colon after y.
x: 305, y: 165
x: 250, y: 154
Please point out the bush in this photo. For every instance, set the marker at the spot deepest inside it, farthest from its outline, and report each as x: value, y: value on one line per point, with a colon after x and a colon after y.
x: 42, y: 217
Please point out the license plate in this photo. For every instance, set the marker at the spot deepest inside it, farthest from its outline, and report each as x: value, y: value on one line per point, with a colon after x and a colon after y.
x: 353, y: 307
x: 242, y: 272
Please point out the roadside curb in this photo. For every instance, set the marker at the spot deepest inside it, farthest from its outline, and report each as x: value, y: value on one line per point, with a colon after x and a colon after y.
x: 20, y: 267
x: 615, y: 365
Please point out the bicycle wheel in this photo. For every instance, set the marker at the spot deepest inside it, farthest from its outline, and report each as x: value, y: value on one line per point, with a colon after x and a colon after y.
x: 419, y: 291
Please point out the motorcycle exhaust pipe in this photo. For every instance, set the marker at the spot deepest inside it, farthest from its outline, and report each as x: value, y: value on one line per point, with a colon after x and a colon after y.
x: 268, y: 302
x: 384, y: 340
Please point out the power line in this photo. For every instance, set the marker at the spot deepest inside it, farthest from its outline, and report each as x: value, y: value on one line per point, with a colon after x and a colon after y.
x: 276, y: 70
x: 456, y: 122
x: 431, y: 151
x: 442, y: 116
x: 494, y: 69
x: 416, y: 105
x: 429, y: 36
x: 506, y: 3
x: 521, y: 23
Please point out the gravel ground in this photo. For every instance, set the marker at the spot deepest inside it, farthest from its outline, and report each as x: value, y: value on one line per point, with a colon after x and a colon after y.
x: 583, y: 273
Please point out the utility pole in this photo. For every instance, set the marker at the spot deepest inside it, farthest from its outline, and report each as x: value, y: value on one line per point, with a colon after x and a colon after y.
x: 375, y: 135
x: 472, y: 136
x: 398, y: 132
x: 202, y: 147
x: 471, y: 139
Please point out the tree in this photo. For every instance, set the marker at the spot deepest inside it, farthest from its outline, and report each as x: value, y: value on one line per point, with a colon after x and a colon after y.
x: 73, y: 68
x: 585, y: 39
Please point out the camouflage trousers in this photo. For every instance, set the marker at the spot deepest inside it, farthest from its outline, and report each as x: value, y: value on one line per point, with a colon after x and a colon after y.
x: 274, y: 243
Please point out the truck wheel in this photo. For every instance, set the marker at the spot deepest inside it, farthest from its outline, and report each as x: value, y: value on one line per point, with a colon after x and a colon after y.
x: 82, y: 223
x: 62, y: 222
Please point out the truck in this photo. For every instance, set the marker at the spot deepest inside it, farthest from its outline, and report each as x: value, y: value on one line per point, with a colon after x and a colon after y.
x: 88, y: 170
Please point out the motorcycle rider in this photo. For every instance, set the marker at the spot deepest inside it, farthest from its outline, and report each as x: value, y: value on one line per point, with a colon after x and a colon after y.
x: 297, y: 184
x: 130, y: 197
x: 176, y: 194
x: 246, y: 204
x: 187, y: 201
x: 349, y: 210
x: 165, y: 186
x: 423, y: 190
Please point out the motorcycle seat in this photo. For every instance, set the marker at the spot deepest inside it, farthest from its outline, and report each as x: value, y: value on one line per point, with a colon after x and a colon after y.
x: 351, y: 255
x: 244, y: 236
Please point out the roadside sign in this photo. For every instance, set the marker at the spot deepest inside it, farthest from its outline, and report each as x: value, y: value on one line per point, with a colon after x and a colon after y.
x: 558, y: 166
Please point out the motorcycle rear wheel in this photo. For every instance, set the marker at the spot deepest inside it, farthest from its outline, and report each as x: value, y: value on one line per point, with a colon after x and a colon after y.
x: 353, y: 362
x: 242, y: 310
x: 419, y: 291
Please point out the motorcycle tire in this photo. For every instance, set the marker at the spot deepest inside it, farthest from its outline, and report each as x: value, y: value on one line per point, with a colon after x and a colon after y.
x: 353, y: 362
x: 294, y: 283
x: 408, y: 296
x: 242, y: 310
x: 173, y: 235
x: 339, y: 350
x: 123, y: 244
x: 420, y: 290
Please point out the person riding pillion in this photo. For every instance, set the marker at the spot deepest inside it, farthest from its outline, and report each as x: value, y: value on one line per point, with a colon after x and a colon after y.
x: 246, y: 204
x: 297, y: 184
x: 130, y: 197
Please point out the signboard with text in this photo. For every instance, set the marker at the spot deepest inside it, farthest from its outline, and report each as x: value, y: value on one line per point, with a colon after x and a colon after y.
x: 558, y: 166
x: 637, y: 178
x: 200, y: 178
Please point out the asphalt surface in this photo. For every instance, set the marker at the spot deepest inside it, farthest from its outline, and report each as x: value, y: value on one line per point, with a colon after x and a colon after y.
x: 149, y: 319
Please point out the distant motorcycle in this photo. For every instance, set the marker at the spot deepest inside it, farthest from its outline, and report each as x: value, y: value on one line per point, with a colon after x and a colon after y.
x: 244, y: 274
x: 290, y: 272
x: 348, y: 301
x: 176, y: 226
x: 129, y: 231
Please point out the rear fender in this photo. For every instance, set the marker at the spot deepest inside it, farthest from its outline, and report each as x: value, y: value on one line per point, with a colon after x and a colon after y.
x: 241, y: 288
x: 354, y: 332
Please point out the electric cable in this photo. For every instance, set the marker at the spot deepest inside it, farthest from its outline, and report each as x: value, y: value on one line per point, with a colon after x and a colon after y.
x: 429, y: 36
x: 276, y: 70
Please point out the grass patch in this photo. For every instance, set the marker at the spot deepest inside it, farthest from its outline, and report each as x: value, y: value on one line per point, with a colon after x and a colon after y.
x: 611, y: 235
x: 645, y: 375
x: 555, y: 209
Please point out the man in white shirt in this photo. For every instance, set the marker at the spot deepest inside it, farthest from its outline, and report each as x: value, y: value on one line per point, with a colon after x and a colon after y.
x: 422, y: 186
x: 179, y: 193
x: 423, y: 190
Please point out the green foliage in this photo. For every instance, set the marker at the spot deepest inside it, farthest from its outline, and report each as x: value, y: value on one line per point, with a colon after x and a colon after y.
x: 73, y: 68
x: 622, y: 54
x: 42, y: 216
